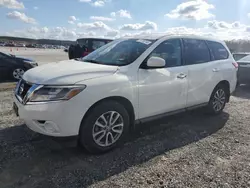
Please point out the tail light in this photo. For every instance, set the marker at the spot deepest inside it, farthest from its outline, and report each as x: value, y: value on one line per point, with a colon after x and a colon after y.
x: 235, y: 64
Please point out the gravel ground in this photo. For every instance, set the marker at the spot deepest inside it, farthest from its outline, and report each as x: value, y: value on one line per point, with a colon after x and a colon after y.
x: 186, y: 150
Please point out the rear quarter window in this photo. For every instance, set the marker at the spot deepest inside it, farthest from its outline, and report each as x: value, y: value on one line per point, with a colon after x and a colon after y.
x: 218, y: 51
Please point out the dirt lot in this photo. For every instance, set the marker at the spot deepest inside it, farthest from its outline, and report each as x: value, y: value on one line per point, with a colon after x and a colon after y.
x: 187, y: 150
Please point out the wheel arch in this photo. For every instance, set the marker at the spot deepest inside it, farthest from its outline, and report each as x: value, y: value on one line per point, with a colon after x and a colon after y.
x: 122, y: 100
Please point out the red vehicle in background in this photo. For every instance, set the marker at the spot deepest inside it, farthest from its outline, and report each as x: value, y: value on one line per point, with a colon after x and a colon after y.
x: 84, y: 46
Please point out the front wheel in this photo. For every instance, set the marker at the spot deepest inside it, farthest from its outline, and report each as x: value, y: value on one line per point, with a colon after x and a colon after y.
x: 104, y: 127
x: 218, y: 100
x: 18, y: 73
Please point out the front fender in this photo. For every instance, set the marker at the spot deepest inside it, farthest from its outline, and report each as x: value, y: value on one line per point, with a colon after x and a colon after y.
x: 110, y: 86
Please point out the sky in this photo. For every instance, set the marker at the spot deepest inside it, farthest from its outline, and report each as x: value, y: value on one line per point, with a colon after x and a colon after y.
x: 72, y: 19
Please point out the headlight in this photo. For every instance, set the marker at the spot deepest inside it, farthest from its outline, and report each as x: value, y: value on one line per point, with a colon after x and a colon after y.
x: 56, y: 93
x: 31, y: 63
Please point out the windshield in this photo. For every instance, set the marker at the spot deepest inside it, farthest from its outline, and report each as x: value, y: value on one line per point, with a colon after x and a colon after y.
x: 246, y: 58
x: 119, y: 52
x: 239, y: 56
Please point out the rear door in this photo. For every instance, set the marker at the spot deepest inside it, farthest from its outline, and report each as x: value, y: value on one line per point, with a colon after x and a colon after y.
x: 203, y: 73
x: 225, y: 67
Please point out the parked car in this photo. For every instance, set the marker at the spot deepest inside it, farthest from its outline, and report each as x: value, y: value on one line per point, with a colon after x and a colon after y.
x: 66, y: 49
x: 244, y: 70
x: 13, y: 67
x: 85, y: 46
x: 30, y: 45
x: 20, y: 45
x: 10, y: 44
x: 128, y: 81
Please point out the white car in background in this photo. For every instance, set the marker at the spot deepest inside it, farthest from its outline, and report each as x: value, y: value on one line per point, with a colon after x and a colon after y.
x: 127, y: 81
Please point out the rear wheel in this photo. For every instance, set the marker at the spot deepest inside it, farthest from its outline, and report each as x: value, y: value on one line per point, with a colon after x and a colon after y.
x: 104, y: 127
x: 218, y: 100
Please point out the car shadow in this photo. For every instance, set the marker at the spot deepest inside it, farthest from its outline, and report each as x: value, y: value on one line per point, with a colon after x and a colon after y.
x: 242, y: 91
x: 7, y: 80
x: 32, y: 160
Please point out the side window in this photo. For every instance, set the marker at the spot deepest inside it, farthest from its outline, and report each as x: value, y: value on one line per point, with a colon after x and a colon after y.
x: 97, y: 44
x: 196, y: 51
x: 170, y: 50
x: 218, y: 51
x: 83, y: 42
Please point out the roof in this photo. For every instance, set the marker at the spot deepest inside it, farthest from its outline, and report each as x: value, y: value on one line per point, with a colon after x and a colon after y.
x: 93, y: 38
x: 162, y: 35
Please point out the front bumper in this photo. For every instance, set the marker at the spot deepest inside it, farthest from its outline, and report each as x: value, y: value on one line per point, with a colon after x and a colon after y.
x: 59, y: 119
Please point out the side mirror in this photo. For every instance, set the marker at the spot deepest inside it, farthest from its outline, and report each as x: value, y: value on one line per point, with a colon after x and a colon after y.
x: 156, y: 62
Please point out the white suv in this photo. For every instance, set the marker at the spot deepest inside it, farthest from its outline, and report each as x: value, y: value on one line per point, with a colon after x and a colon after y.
x: 102, y: 95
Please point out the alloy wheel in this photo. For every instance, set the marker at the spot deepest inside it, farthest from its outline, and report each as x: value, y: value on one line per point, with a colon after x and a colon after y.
x: 108, y: 128
x: 219, y: 100
x: 18, y: 73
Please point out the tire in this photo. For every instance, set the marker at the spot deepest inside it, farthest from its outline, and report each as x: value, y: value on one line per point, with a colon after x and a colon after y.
x: 218, y: 100
x: 89, y: 127
x: 17, y: 73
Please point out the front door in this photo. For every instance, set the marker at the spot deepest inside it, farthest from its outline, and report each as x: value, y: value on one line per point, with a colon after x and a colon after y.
x: 5, y: 66
x: 163, y: 90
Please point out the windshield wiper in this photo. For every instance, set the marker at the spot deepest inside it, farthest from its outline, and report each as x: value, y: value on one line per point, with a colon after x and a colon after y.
x: 91, y: 61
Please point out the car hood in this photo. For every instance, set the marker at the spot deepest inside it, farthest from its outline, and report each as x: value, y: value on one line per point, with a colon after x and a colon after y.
x: 67, y: 72
x: 24, y: 58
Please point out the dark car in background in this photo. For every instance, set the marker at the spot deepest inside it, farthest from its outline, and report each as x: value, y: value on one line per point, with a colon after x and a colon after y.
x: 13, y: 67
x: 84, y: 46
x: 30, y: 45
x: 244, y: 70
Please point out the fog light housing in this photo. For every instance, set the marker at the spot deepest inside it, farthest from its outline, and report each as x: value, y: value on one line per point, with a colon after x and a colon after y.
x: 48, y: 126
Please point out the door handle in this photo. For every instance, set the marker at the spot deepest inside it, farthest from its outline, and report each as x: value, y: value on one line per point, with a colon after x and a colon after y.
x: 181, y: 76
x: 216, y: 70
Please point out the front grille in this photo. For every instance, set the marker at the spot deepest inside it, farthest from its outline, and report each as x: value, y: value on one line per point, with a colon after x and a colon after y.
x: 23, y: 88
